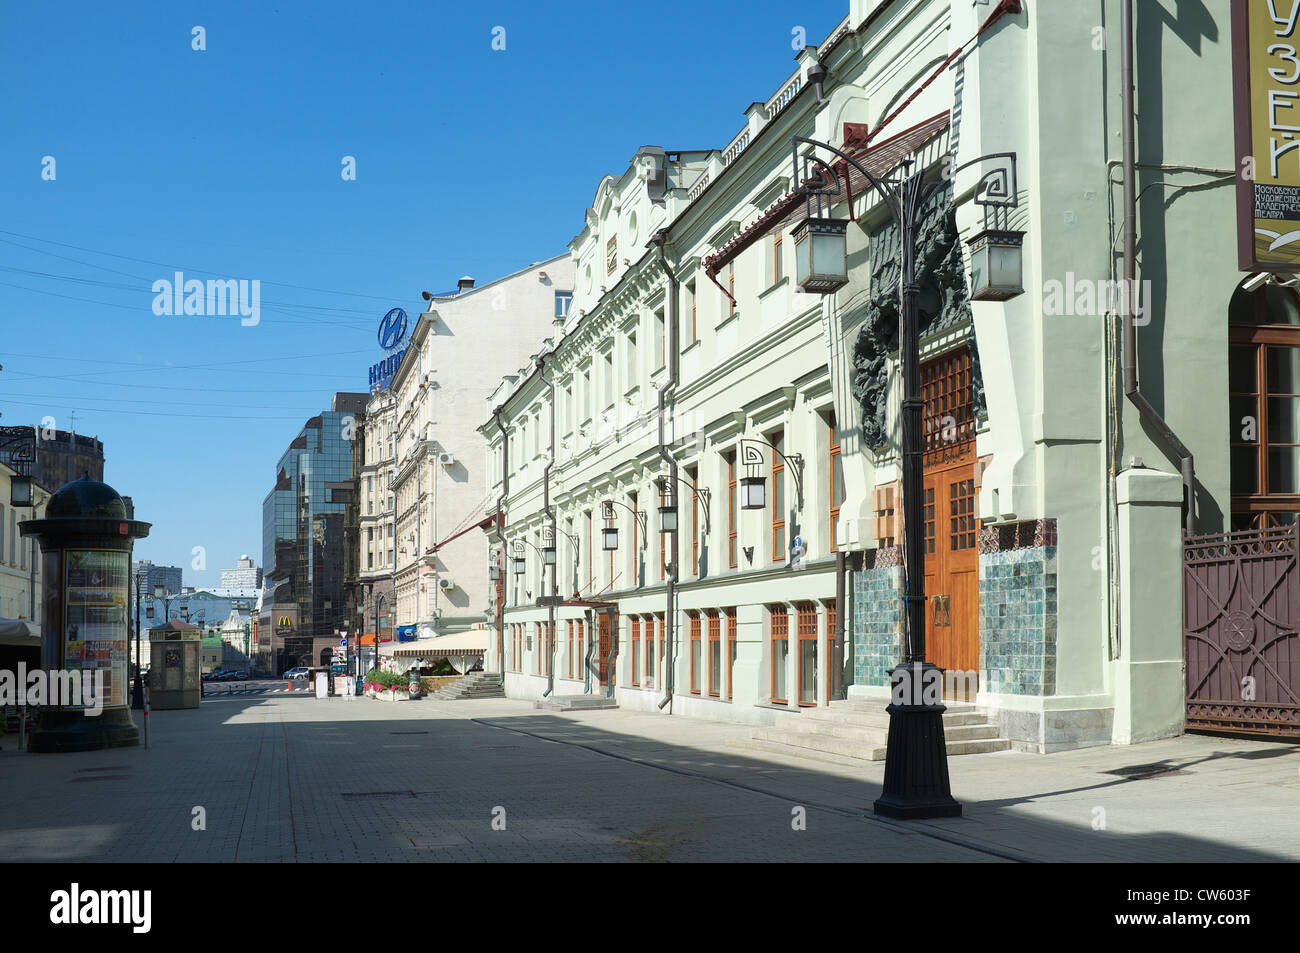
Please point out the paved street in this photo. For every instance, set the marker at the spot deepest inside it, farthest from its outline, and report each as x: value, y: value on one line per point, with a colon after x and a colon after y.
x: 292, y: 777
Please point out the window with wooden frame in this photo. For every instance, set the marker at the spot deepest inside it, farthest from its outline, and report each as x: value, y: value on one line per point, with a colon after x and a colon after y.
x: 649, y: 651
x: 696, y: 659
x: 779, y: 627
x: 715, y: 653
x: 730, y: 457
x: 777, y: 273
x: 1264, y: 407
x: 835, y: 467
x: 777, y: 439
x: 949, y: 429
x: 832, y: 636
x: 731, y: 288
x: 806, y: 621
x: 539, y: 629
x: 568, y: 648
x: 635, y: 623
x: 732, y: 645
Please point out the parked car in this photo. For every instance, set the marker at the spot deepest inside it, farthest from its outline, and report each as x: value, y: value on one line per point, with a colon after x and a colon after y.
x: 241, y: 677
x: 214, y: 675
x: 299, y: 672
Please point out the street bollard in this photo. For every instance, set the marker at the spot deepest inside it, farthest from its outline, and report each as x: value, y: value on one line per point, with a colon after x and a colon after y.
x: 147, y: 743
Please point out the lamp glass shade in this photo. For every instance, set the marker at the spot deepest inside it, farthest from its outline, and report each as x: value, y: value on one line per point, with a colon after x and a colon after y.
x: 519, y: 566
x: 668, y: 519
x: 609, y: 538
x: 20, y: 491
x: 821, y: 255
x: 996, y: 265
x: 548, y: 555
x: 753, y: 492
x: 494, y: 573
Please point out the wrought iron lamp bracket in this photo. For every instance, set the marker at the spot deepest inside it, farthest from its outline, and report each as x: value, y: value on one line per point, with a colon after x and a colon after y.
x: 701, y: 493
x: 751, y: 456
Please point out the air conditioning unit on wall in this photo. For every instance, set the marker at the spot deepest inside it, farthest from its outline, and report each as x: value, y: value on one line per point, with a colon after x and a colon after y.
x: 446, y: 459
x: 446, y: 582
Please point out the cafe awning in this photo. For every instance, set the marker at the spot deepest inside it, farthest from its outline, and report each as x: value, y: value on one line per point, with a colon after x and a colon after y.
x: 469, y: 642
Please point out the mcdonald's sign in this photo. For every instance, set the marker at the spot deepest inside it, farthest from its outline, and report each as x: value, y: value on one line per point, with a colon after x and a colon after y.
x: 285, y: 622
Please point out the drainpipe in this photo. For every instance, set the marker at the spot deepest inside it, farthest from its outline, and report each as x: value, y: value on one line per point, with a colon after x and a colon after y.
x: 1149, y: 414
x: 590, y: 618
x: 555, y: 543
x: 501, y: 541
x: 660, y: 237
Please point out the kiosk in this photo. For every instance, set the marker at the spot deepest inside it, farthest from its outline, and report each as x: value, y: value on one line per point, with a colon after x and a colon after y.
x: 174, y: 680
x: 86, y: 543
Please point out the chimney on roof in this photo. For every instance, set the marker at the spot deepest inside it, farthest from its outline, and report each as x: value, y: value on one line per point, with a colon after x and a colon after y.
x: 464, y: 284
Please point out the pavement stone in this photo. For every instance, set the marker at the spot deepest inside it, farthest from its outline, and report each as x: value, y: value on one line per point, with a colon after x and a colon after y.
x: 291, y: 777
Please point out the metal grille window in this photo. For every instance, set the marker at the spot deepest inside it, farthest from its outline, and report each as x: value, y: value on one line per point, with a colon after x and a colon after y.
x: 649, y: 650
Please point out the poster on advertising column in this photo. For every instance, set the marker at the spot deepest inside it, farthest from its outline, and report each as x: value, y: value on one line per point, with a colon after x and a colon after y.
x: 95, y: 638
x: 1266, y: 94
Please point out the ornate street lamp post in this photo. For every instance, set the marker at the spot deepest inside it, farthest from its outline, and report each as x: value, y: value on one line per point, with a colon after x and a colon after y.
x: 916, y: 766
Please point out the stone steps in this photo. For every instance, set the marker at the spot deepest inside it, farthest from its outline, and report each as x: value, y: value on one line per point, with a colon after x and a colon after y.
x: 858, y: 730
x: 576, y: 703
x: 474, y: 685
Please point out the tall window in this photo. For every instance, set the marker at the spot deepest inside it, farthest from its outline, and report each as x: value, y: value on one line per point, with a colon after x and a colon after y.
x: 696, y: 659
x: 660, y: 338
x: 586, y: 393
x: 836, y: 469
x: 663, y: 558
x: 715, y: 653
x: 609, y: 378
x: 568, y: 646
x: 732, y: 633
x: 807, y: 623
x: 690, y: 294
x: 649, y: 650
x: 562, y: 301
x: 662, y: 652
x: 1264, y: 407
x: 731, y: 288
x: 580, y: 644
x: 776, y: 258
x: 693, y: 476
x: 591, y: 557
x: 636, y: 528
x: 636, y: 651
x: 777, y: 438
x: 779, y: 625
x: 633, y: 371
x: 731, y: 509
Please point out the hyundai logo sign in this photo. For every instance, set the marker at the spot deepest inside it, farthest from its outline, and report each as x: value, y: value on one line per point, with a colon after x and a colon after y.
x: 392, y: 332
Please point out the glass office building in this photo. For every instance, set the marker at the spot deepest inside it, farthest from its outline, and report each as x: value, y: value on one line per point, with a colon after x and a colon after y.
x: 307, y: 522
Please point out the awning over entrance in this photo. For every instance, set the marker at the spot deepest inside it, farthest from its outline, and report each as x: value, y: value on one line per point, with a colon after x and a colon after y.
x: 470, y: 642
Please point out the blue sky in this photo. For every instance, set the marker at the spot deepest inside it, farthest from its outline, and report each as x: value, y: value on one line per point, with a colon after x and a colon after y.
x: 225, y: 163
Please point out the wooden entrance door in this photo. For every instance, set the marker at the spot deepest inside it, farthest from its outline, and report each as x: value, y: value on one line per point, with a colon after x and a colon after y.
x: 951, y: 561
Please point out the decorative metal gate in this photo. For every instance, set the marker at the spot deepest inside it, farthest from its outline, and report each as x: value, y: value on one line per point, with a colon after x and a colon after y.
x: 1241, y: 605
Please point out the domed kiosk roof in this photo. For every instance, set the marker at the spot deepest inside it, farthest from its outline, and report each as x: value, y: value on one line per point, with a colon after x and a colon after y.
x: 86, y: 497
